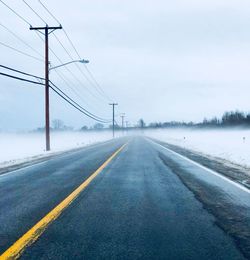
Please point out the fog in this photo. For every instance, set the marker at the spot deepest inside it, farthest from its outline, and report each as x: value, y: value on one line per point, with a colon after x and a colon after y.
x: 228, y: 144
x: 21, y: 147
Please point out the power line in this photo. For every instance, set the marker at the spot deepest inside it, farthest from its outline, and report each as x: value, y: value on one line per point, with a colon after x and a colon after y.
x: 20, y: 39
x: 22, y: 79
x: 48, y: 11
x: 100, y: 93
x: 96, y: 85
x: 76, y: 106
x: 72, y: 74
x: 75, y: 77
x: 17, y: 14
x: 21, y: 72
x: 86, y: 112
x: 21, y: 52
x: 34, y: 11
x: 92, y: 76
x: 58, y: 40
x: 75, y: 90
x: 57, y: 90
x: 21, y: 17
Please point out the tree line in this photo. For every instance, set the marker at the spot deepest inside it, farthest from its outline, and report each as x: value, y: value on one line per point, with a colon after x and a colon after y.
x: 229, y: 118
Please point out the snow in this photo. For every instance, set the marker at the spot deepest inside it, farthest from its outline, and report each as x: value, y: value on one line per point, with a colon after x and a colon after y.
x: 23, y: 147
x: 232, y: 145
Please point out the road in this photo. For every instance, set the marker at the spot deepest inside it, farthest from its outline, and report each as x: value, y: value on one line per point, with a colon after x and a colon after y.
x: 145, y: 202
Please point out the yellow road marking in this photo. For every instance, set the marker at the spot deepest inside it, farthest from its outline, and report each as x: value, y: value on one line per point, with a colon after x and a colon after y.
x: 36, y: 231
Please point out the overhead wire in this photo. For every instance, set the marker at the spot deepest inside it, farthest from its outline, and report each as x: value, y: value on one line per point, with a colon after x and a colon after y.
x: 49, y: 11
x: 72, y: 74
x: 79, y: 81
x: 96, y: 85
x: 21, y: 72
x: 22, y: 79
x: 76, y: 106
x: 55, y: 89
x: 34, y: 11
x: 20, y: 39
x: 17, y: 14
x: 92, y: 76
x: 21, y: 52
x: 85, y: 110
x: 81, y: 71
x: 75, y: 90
x: 26, y: 21
x: 22, y: 18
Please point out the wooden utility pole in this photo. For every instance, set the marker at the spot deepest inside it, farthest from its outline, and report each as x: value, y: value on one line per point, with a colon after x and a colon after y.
x: 113, y: 105
x: 47, y: 30
x: 123, y: 116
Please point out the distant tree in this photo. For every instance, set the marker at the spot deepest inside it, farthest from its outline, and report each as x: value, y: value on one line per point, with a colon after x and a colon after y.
x: 84, y: 128
x: 205, y: 121
x: 141, y: 123
x: 214, y: 121
x: 248, y: 119
x: 58, y: 124
x: 210, y: 122
x: 233, y: 118
x: 152, y: 125
x: 98, y: 126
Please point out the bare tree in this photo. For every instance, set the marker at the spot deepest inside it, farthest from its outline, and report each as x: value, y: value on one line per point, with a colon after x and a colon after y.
x: 141, y: 123
x: 58, y: 124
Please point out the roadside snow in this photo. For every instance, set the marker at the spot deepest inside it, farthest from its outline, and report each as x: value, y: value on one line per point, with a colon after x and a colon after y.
x: 231, y: 145
x: 20, y: 148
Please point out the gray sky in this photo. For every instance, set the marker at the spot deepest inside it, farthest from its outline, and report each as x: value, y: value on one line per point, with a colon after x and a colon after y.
x: 160, y: 60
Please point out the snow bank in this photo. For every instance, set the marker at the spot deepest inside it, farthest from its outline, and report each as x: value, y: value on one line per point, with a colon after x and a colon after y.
x: 18, y: 148
x: 232, y: 145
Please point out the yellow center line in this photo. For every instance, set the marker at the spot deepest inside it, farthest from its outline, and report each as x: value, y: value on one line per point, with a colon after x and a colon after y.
x: 36, y: 231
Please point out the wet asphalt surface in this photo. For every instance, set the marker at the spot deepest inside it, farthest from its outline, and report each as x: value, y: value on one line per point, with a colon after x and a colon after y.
x: 137, y: 208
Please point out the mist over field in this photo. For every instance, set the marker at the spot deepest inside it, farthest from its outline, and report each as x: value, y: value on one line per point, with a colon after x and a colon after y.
x: 229, y: 144
x: 19, y: 147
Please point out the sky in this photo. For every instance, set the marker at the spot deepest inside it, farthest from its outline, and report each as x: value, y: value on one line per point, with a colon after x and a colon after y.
x: 159, y: 60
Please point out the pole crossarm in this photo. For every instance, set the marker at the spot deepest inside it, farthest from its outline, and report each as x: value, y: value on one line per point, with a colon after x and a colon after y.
x: 46, y: 27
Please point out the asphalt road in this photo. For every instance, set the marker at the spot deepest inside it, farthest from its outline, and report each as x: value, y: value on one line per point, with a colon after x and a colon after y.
x: 145, y: 204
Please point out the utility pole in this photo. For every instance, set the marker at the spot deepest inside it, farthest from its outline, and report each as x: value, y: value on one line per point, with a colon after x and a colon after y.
x: 47, y: 30
x: 113, y: 105
x: 122, y: 116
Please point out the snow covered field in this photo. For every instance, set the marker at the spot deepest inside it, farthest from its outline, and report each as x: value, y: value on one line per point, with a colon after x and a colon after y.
x: 18, y: 148
x: 232, y: 145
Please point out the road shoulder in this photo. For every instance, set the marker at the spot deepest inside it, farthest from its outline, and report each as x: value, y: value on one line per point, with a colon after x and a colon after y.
x: 13, y: 165
x: 235, y: 172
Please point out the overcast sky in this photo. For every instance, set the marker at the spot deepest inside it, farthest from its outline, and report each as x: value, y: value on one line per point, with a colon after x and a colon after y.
x: 160, y: 60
